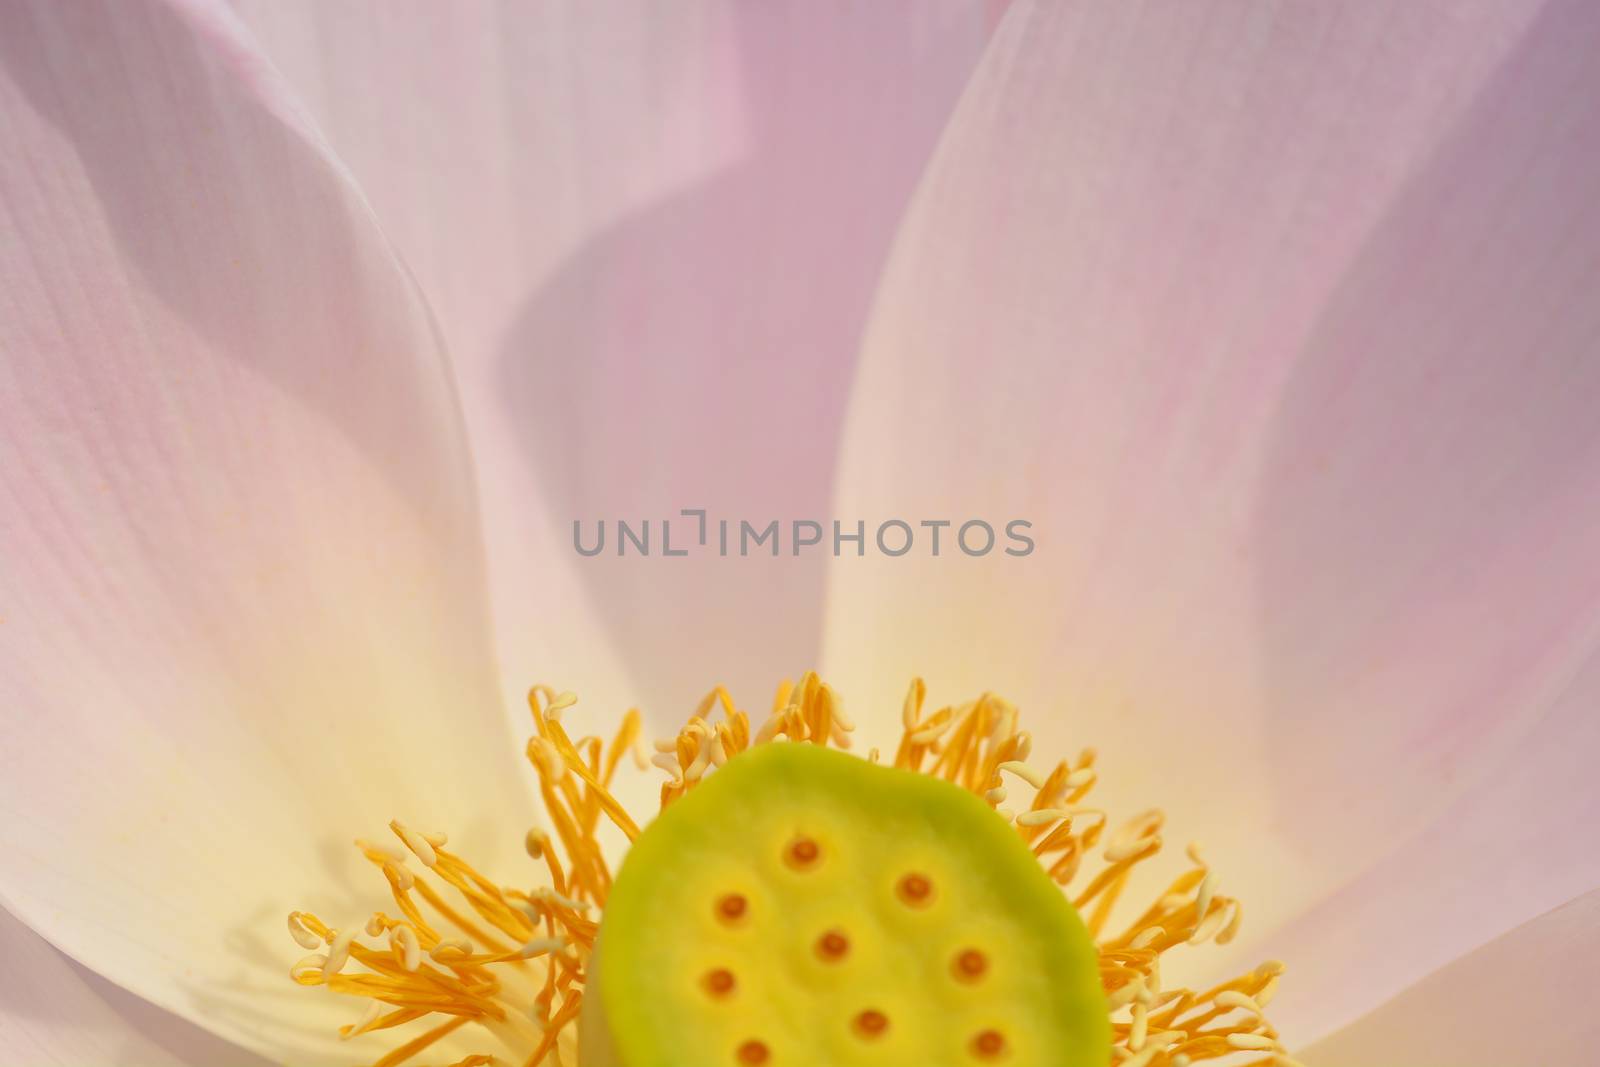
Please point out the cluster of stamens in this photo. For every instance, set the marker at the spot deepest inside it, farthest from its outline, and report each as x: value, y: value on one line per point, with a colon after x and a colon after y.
x: 463, y: 949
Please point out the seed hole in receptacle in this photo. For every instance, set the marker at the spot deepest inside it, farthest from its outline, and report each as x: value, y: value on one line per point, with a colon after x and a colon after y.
x: 915, y: 890
x: 989, y: 1045
x: 720, y: 982
x: 802, y: 853
x: 754, y: 1053
x: 970, y: 965
x: 871, y: 1023
x: 732, y: 907
x: 833, y: 946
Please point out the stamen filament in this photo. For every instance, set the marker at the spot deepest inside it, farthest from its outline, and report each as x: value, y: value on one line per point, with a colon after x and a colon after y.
x: 516, y: 961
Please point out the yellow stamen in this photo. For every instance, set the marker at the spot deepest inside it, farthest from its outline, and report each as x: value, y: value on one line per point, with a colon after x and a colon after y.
x: 465, y: 949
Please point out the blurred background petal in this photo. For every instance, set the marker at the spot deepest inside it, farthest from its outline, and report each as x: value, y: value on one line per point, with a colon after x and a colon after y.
x: 1518, y: 1001
x: 55, y: 1012
x: 1274, y: 321
x: 651, y: 235
x: 241, y: 608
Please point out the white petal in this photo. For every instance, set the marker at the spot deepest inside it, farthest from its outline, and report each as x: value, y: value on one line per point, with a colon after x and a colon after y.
x: 52, y: 1012
x: 651, y: 235
x: 1525, y: 999
x: 241, y: 612
x: 1275, y: 322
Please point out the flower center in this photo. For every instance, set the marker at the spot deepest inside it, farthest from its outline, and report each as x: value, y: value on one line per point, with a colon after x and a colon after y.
x: 968, y: 955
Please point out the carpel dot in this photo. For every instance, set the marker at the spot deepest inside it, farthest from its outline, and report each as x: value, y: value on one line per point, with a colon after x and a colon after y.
x: 970, y: 965
x: 871, y: 1023
x: 988, y: 1045
x: 916, y: 890
x: 732, y: 907
x: 833, y: 946
x: 795, y: 884
x: 803, y: 853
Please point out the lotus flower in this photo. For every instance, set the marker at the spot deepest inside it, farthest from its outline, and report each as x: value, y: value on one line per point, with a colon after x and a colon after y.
x: 322, y: 323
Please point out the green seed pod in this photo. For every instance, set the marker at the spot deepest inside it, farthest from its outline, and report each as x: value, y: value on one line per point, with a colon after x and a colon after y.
x: 802, y: 907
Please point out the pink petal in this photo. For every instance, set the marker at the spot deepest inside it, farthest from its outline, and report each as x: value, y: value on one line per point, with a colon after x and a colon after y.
x: 241, y: 613
x: 1275, y: 323
x: 53, y: 1012
x: 652, y: 242
x: 1523, y: 999
x: 1513, y: 846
